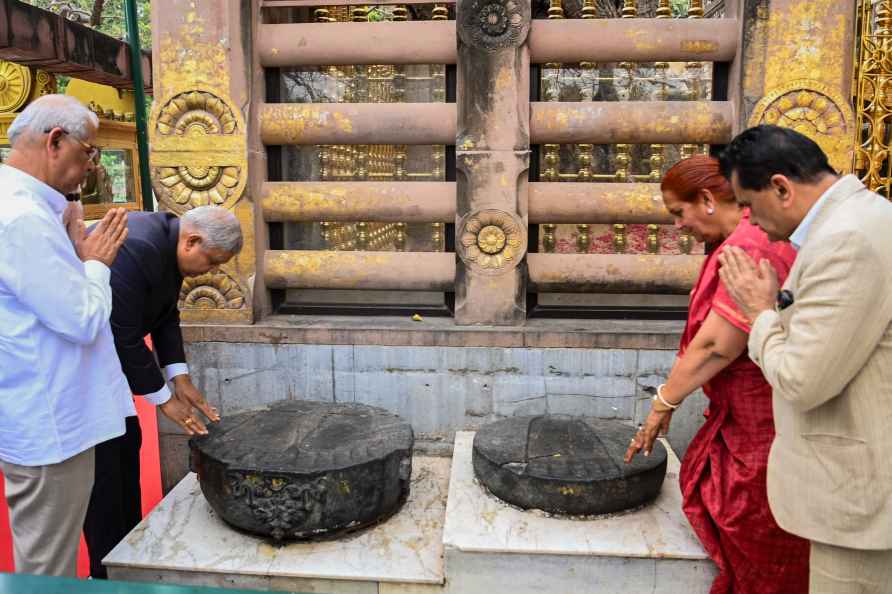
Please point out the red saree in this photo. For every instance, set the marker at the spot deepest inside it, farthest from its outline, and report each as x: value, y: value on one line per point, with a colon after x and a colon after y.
x: 723, y: 472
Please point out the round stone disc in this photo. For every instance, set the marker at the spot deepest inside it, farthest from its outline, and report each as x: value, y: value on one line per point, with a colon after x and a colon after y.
x: 566, y: 465
x: 301, y: 470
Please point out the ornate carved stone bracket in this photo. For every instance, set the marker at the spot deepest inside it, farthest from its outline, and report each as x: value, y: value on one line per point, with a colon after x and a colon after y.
x: 200, y: 155
x: 815, y: 110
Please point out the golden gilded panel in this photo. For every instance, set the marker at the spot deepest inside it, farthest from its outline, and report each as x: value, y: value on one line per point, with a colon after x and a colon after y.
x: 815, y: 110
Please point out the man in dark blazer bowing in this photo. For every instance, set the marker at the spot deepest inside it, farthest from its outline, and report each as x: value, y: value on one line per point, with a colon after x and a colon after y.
x: 146, y: 279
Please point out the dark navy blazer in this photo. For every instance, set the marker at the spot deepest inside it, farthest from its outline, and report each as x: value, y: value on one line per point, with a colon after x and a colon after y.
x: 145, y: 283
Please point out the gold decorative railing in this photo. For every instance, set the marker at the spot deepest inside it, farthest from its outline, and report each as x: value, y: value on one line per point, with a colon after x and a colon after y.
x: 873, y: 96
x: 376, y: 83
x: 622, y: 163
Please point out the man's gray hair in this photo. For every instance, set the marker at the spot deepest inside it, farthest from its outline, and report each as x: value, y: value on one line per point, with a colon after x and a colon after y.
x: 53, y: 111
x: 218, y: 227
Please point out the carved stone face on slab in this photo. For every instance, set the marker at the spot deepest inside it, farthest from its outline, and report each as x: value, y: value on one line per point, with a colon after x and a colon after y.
x: 299, y: 470
x: 566, y: 465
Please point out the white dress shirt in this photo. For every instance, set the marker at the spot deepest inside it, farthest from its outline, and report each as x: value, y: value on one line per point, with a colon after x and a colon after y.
x: 801, y: 232
x: 62, y: 390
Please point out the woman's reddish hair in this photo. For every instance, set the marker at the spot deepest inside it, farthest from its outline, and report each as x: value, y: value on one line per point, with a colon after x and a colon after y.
x: 686, y: 178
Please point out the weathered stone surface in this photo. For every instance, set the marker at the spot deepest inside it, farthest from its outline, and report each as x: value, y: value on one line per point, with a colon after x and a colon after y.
x: 565, y: 465
x: 299, y: 469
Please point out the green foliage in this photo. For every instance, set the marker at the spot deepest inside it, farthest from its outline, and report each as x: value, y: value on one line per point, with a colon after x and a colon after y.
x: 376, y: 15
x: 679, y: 8
x: 113, y: 21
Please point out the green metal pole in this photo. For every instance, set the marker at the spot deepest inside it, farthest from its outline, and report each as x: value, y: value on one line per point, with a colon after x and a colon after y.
x: 142, y: 128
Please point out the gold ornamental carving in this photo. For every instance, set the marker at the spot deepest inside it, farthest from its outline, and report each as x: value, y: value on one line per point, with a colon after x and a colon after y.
x: 199, y: 156
x: 45, y: 83
x: 815, y: 110
x: 196, y: 113
x: 492, y: 25
x: 211, y: 291
x: 15, y: 86
x: 191, y: 186
x: 491, y: 241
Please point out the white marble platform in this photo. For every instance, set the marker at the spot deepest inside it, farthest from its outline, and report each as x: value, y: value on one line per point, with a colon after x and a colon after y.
x: 489, y: 543
x: 485, y: 547
x: 183, y: 541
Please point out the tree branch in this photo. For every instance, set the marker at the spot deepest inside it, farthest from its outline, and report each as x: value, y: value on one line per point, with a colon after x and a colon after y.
x: 96, y: 15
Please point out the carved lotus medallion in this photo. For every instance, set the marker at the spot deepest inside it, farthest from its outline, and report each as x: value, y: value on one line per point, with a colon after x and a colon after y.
x: 492, y: 25
x: 491, y: 241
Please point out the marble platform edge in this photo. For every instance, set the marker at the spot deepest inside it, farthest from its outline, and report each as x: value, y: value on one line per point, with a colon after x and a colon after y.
x: 189, y: 488
x: 462, y: 476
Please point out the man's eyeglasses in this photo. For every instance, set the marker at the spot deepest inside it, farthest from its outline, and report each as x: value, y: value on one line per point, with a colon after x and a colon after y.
x: 91, y: 150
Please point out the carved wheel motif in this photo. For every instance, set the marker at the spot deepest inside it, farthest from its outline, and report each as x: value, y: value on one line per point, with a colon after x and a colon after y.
x: 492, y: 25
x: 196, y: 112
x: 15, y: 86
x: 278, y: 502
x: 815, y: 110
x: 491, y: 241
x: 211, y: 291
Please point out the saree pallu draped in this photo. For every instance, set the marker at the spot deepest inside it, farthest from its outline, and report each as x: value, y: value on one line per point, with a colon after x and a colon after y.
x: 723, y: 474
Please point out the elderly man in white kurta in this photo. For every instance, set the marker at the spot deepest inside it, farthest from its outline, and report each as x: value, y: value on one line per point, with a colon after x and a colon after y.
x: 62, y: 390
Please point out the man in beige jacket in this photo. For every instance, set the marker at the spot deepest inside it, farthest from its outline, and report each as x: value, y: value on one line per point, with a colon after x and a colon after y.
x: 824, y: 344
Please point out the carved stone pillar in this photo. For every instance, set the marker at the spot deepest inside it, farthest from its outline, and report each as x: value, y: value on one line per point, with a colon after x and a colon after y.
x: 795, y: 70
x: 198, y: 136
x: 492, y: 153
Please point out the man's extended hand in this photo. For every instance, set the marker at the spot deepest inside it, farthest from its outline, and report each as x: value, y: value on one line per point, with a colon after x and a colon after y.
x: 188, y: 393
x: 183, y: 415
x: 103, y: 242
x: 753, y: 288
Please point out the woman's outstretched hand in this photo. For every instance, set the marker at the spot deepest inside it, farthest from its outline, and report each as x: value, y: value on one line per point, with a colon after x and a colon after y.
x: 657, y: 424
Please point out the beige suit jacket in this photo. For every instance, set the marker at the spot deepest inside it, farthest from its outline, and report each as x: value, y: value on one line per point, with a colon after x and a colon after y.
x: 828, y: 358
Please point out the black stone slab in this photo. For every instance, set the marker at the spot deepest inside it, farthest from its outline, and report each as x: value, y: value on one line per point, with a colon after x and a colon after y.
x: 566, y: 465
x: 304, y: 470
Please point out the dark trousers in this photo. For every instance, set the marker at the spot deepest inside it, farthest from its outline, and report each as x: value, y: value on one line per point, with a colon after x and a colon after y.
x: 115, y: 503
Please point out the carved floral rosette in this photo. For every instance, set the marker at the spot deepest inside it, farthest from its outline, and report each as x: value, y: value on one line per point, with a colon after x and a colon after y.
x: 815, y: 110
x: 279, y: 503
x: 492, y: 25
x: 491, y: 241
x: 211, y: 291
x: 198, y: 122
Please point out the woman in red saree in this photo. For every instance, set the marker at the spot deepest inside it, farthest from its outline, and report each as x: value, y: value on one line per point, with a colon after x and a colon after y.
x: 723, y: 473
